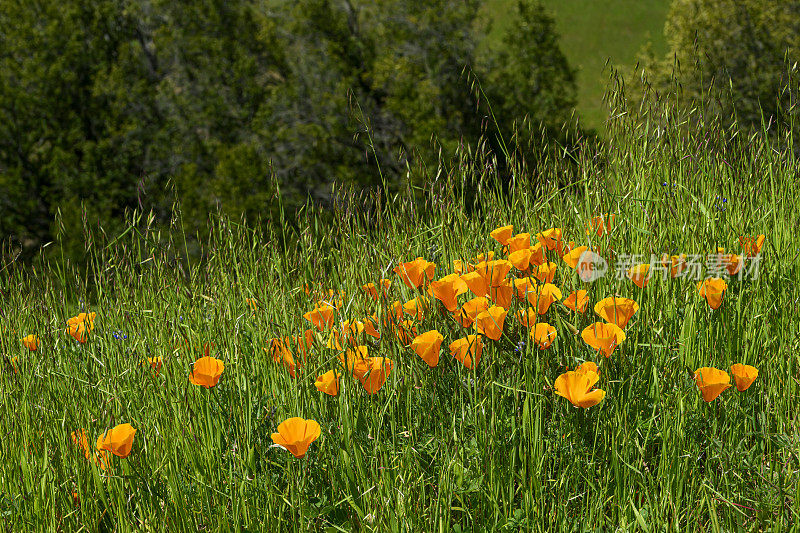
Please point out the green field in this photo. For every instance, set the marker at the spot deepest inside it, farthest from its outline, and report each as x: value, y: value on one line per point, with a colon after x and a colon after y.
x: 408, y: 444
x: 593, y: 31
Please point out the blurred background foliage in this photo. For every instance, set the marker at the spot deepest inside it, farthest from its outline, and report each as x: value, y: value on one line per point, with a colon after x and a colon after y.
x: 257, y: 107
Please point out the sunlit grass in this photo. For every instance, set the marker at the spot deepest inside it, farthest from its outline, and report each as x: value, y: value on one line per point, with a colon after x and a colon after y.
x: 441, y: 448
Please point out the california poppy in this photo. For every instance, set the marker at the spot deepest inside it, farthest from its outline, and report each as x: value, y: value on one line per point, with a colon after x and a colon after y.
x: 295, y: 435
x: 603, y: 337
x: 640, y: 275
x: 470, y: 310
x: 752, y: 245
x: 447, y: 289
x: 576, y: 387
x: 551, y: 239
x: 490, y: 322
x: 520, y: 241
x: 502, y: 234
x: 415, y: 273
x: 206, y: 371
x: 80, y: 439
x: 734, y: 264
x: 321, y: 316
x: 118, y: 440
x: 588, y: 366
x: 372, y: 289
x: 477, y: 283
x: 31, y: 342
x: 571, y: 258
x: 328, y: 383
x: 154, y: 363
x: 282, y: 354
x: 713, y: 290
x: 427, y: 346
x: 524, y: 287
x: 521, y: 259
x: 405, y: 332
x: 527, y: 317
x: 417, y: 307
x: 577, y: 301
x: 467, y: 350
x: 616, y: 310
x: 543, y: 335
x: 503, y: 294
x: 743, y: 375
x: 538, y: 256
x: 545, y: 273
x: 371, y: 327
x: 81, y: 326
x: 544, y: 297
x: 711, y: 382
x: 494, y: 272
x: 676, y: 264
x: 377, y: 372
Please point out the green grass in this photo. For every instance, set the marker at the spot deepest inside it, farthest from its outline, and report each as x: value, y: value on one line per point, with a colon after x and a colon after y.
x: 593, y: 32
x: 435, y: 449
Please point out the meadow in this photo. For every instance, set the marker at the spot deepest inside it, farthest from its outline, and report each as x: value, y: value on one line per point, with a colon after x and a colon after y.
x: 206, y: 356
x: 592, y: 34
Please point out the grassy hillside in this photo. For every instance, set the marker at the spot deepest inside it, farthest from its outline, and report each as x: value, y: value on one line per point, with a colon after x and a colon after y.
x: 206, y: 360
x: 593, y: 31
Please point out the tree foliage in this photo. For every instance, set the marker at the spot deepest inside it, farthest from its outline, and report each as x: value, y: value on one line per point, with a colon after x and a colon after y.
x: 115, y: 105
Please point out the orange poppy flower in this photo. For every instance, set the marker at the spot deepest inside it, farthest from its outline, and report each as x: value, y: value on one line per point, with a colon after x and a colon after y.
x: 371, y: 327
x: 640, y: 275
x: 295, y: 435
x: 572, y: 257
x: 734, y: 264
x: 477, y: 283
x: 321, y: 316
x: 372, y: 289
x: 538, y: 257
x: 405, y: 332
x: 520, y: 241
x: 482, y: 258
x: 458, y: 266
x: 427, y: 346
x: 356, y: 361
x: 415, y: 273
x: 206, y: 372
x: 470, y: 310
x: 524, y: 287
x: 467, y: 350
x: 447, y: 289
x: 744, y: 376
x: 603, y: 337
x: 417, y: 307
x: 577, y: 301
x: 527, y: 317
x: 81, y: 326
x: 282, y: 354
x: 117, y: 440
x: 377, y: 372
x: 503, y: 294
x: 587, y: 366
x: 494, y: 272
x: 752, y: 245
x: 394, y: 314
x: 601, y: 224
x: 521, y: 259
x: 31, y: 342
x: 551, y: 239
x: 543, y: 335
x: 676, y: 264
x: 616, y: 310
x: 711, y: 382
x: 544, y: 297
x: 154, y: 363
x: 713, y: 290
x: 328, y: 383
x: 545, y: 273
x: 80, y: 439
x: 490, y: 322
x: 502, y: 234
x: 576, y: 387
